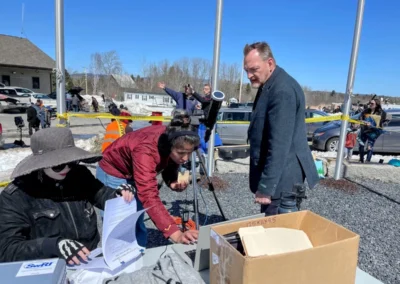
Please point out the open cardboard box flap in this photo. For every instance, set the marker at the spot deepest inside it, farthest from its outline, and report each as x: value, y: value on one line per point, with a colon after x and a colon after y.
x: 333, y: 259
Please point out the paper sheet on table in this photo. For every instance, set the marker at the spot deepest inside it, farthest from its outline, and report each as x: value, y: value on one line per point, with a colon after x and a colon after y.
x: 119, y: 245
x: 119, y: 232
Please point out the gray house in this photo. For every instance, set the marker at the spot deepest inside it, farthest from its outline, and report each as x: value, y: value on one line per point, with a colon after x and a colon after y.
x: 23, y: 64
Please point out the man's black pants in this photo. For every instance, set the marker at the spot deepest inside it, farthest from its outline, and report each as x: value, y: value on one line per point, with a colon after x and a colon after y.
x: 292, y: 175
x: 33, y: 125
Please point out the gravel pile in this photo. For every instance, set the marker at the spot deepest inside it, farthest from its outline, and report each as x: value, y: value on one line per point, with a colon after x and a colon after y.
x: 374, y: 217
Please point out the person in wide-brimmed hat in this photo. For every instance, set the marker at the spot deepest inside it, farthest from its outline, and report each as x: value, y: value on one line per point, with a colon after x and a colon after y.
x: 47, y: 210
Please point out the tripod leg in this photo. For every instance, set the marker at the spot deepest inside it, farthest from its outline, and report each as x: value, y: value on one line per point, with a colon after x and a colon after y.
x: 210, y: 184
x: 194, y: 186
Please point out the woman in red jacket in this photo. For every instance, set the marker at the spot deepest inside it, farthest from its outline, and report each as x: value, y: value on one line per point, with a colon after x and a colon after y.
x: 138, y: 157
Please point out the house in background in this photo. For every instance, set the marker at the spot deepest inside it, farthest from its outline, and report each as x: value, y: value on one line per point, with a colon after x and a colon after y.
x: 23, y: 64
x: 150, y: 99
x: 112, y: 86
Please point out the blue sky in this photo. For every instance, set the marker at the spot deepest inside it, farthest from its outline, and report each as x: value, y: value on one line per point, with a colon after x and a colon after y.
x: 311, y: 39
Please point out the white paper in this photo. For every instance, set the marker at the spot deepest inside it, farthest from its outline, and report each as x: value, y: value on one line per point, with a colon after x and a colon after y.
x: 37, y: 267
x: 119, y: 245
x: 119, y: 236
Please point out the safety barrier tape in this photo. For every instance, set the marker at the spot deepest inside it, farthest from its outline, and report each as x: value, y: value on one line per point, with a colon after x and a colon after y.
x: 4, y: 183
x: 66, y: 116
x: 110, y: 116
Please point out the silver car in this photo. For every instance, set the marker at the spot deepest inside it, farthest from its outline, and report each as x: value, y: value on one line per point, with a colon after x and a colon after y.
x: 326, y: 138
x: 236, y: 133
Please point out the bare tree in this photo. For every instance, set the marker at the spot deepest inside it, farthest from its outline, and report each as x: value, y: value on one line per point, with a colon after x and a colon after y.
x: 103, y: 67
x: 95, y: 70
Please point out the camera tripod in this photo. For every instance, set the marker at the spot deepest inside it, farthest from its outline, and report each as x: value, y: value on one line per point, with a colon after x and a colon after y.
x: 19, y: 142
x: 195, y: 186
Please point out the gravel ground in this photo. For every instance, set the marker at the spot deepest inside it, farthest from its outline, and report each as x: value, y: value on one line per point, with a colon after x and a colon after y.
x: 372, y: 216
x: 391, y: 190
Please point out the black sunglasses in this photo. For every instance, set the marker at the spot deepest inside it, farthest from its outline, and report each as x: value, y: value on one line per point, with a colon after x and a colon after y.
x: 61, y: 167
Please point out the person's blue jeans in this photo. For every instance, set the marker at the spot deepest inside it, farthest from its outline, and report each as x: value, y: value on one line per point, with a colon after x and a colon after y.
x: 75, y: 107
x: 114, y: 182
x: 203, y: 147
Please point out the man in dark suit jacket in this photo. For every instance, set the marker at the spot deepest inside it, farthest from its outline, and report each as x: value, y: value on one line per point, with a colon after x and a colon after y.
x: 279, y: 153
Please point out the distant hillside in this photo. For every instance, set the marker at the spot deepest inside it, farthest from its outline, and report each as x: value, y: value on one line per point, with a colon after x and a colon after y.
x: 323, y: 98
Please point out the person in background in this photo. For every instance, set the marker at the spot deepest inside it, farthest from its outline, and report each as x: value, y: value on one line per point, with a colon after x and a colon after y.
x: 116, y: 129
x: 47, y: 210
x: 369, y: 132
x: 205, y: 100
x: 279, y: 153
x: 204, y: 104
x: 184, y: 100
x: 95, y: 104
x: 44, y: 115
x: 138, y: 157
x: 75, y: 103
x: 351, y: 139
x: 33, y: 118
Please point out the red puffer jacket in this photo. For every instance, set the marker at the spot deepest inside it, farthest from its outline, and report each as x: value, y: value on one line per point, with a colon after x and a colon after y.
x: 135, y: 156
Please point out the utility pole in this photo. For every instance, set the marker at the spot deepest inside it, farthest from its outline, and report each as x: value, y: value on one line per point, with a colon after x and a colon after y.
x: 60, y: 67
x: 217, y: 44
x: 349, y: 88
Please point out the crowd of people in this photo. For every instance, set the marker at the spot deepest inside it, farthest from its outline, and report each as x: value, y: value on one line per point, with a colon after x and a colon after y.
x: 374, y: 119
x: 38, y: 116
x: 48, y: 208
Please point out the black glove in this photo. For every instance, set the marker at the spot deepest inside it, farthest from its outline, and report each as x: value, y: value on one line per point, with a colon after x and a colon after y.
x: 127, y: 187
x: 67, y: 249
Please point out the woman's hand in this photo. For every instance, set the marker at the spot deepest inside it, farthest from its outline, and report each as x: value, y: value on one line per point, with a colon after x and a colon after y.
x: 179, y: 186
x: 127, y: 191
x: 70, y: 250
x: 187, y: 237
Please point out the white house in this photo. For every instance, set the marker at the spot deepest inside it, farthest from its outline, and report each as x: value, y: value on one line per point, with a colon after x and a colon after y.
x: 150, y: 99
x: 23, y: 64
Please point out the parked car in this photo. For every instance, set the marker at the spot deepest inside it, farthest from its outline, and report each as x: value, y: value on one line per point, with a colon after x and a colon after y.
x: 234, y: 133
x: 22, y: 91
x: 11, y: 92
x: 240, y: 105
x: 326, y: 138
x: 47, y: 101
x: 237, y: 133
x: 9, y: 100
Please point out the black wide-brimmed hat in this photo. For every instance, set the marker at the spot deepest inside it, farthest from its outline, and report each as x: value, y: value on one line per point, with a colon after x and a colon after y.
x: 52, y: 147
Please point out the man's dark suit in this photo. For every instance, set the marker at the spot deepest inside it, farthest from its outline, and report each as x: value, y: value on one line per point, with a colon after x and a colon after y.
x: 279, y: 153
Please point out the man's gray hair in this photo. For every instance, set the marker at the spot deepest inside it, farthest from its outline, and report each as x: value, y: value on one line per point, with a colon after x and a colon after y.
x: 262, y: 47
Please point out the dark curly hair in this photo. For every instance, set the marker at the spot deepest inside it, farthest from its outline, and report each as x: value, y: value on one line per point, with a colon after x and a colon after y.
x: 178, y: 133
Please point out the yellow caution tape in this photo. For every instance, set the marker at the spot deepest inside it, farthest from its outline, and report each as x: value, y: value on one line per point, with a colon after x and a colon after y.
x: 4, y: 183
x: 67, y: 116
x: 110, y: 116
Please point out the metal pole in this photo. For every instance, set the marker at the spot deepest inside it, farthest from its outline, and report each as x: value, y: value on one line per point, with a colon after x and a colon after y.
x: 349, y: 88
x: 60, y: 69
x: 194, y: 185
x: 217, y: 41
x: 241, y: 83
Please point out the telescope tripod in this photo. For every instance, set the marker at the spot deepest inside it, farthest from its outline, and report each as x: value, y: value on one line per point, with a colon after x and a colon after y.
x: 195, y: 187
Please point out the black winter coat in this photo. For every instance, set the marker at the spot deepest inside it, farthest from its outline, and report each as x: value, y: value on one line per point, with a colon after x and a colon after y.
x: 32, y: 115
x: 205, y: 102
x: 277, y: 135
x: 34, y: 214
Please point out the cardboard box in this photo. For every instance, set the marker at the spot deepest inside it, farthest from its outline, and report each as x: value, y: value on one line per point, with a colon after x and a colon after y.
x: 332, y: 260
